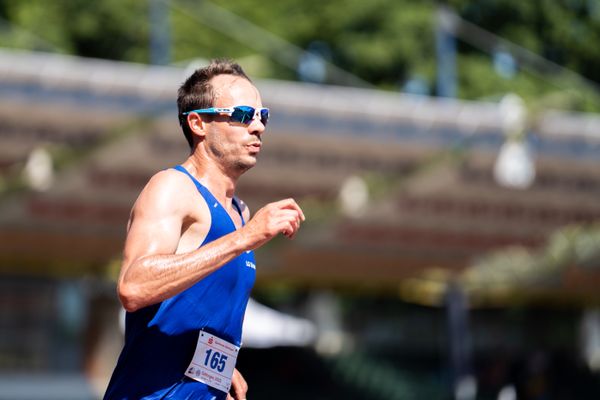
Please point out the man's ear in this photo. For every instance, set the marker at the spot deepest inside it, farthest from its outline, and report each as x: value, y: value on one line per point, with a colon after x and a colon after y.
x: 197, y: 125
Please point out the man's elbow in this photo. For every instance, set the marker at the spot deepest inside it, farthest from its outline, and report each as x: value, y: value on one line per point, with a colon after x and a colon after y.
x: 129, y: 296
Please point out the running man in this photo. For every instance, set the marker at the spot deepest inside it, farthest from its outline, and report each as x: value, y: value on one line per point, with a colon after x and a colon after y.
x: 188, y: 265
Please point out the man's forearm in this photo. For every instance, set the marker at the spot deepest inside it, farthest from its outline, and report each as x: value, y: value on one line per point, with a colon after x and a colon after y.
x: 152, y: 279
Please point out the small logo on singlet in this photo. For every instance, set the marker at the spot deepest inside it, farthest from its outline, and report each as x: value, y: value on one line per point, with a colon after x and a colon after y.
x: 250, y: 264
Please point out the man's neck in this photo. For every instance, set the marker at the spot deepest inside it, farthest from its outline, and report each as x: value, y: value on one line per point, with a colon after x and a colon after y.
x: 213, y: 177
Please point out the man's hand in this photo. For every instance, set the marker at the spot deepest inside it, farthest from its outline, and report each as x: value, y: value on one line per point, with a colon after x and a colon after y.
x: 282, y: 216
x: 239, y: 387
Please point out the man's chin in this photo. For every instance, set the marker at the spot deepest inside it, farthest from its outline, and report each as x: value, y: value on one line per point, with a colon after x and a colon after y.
x: 245, y: 164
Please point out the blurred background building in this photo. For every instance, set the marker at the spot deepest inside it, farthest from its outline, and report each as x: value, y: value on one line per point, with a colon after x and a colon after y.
x: 447, y: 157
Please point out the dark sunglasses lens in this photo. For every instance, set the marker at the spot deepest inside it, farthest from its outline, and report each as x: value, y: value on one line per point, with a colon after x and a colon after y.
x: 242, y: 115
x: 264, y: 116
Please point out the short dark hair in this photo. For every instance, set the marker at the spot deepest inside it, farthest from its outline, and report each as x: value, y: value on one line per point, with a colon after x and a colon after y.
x: 197, y: 91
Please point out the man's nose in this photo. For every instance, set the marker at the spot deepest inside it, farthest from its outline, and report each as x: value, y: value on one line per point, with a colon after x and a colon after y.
x: 256, y: 127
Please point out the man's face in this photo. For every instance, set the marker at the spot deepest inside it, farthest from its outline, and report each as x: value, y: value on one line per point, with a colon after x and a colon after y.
x: 233, y: 144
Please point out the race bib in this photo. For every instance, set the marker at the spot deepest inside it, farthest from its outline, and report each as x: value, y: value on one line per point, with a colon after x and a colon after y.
x: 213, y: 362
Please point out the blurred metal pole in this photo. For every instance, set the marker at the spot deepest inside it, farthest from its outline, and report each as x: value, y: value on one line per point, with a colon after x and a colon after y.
x: 160, y: 38
x: 464, y: 386
x: 445, y: 46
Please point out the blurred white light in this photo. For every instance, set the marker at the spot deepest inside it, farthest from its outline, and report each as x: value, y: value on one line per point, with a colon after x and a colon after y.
x: 590, y: 337
x: 466, y: 389
x: 330, y: 343
x: 39, y: 170
x: 513, y: 112
x: 324, y: 309
x: 354, y: 196
x: 507, y: 393
x: 514, y: 167
x: 265, y: 327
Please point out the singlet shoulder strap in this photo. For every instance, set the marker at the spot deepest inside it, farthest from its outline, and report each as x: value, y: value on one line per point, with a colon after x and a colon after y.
x: 239, y: 209
x: 206, y: 193
x: 201, y: 188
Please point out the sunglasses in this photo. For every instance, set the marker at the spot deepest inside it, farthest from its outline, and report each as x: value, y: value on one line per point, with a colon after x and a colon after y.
x: 241, y: 114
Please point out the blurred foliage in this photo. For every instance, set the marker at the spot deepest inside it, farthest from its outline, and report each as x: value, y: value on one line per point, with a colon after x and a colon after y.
x: 388, y: 43
x: 571, y: 246
x: 511, y: 275
x: 112, y: 29
x: 565, y: 32
x: 562, y: 32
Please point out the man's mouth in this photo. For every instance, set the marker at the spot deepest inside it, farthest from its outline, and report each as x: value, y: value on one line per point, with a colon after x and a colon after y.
x: 255, y: 146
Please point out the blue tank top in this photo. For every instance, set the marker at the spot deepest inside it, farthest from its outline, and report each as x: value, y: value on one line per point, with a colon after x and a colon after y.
x: 160, y: 339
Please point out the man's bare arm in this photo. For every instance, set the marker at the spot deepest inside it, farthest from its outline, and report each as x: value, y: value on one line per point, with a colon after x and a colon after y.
x: 152, y: 272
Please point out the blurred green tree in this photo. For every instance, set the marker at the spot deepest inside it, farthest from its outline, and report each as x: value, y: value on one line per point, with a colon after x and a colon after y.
x: 562, y: 32
x: 565, y: 32
x: 387, y: 43
x: 111, y: 29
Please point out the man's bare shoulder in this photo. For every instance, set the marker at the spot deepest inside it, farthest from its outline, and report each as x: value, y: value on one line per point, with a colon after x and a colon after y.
x: 170, y: 179
x: 166, y: 190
